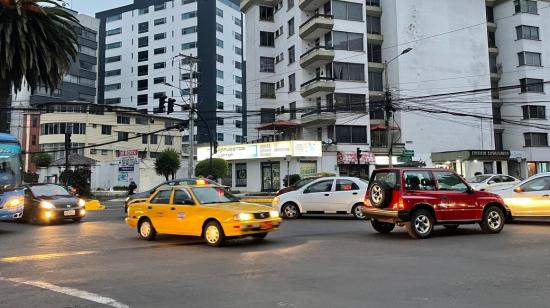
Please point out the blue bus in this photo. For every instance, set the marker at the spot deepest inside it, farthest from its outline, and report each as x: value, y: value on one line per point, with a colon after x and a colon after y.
x: 11, y: 192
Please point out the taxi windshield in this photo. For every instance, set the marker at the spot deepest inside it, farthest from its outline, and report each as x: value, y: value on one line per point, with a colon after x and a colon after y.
x: 208, y: 195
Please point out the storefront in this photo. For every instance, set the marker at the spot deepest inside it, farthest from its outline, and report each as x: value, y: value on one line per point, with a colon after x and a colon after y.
x: 468, y: 163
x: 349, y: 165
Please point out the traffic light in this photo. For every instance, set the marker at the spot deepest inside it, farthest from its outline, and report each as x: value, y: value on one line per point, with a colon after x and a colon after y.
x: 162, y: 104
x: 171, y: 102
x: 183, y: 125
x: 359, y: 156
x: 68, y: 141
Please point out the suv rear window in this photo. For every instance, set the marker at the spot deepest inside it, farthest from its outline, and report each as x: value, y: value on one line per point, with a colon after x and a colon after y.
x: 390, y: 177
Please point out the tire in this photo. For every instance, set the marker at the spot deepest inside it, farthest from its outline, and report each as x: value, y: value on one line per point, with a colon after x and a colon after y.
x: 421, y: 225
x: 290, y: 211
x: 380, y: 194
x: 213, y: 234
x: 259, y: 236
x: 382, y: 227
x: 357, y: 211
x: 451, y: 227
x: 146, y: 230
x: 493, y: 220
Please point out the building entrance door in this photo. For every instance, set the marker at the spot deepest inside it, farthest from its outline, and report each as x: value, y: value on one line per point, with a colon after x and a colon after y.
x: 271, y: 176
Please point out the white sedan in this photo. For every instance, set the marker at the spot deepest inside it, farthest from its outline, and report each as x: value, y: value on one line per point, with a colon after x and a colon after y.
x: 492, y: 182
x: 531, y: 198
x: 327, y: 195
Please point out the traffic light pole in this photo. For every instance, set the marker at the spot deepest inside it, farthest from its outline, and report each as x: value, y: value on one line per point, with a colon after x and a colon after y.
x: 191, y: 159
x: 388, y: 107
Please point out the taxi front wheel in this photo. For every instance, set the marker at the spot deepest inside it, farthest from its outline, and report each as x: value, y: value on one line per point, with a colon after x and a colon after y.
x: 146, y: 230
x: 213, y: 234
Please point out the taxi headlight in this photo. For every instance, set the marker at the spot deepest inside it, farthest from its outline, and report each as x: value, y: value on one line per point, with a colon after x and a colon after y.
x: 14, y: 203
x: 244, y: 216
x: 274, y: 214
x: 47, y: 205
x: 275, y: 201
x: 81, y: 202
x: 127, y: 198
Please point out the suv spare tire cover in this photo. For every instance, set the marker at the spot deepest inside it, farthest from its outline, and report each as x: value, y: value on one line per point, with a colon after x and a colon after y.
x: 380, y: 194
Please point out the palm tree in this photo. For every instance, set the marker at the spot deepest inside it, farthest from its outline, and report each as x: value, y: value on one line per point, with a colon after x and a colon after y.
x: 37, y: 43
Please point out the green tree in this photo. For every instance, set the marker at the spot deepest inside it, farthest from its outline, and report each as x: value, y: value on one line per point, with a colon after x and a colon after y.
x: 168, y: 163
x: 79, y: 179
x: 38, y: 42
x: 218, y: 170
x: 41, y: 159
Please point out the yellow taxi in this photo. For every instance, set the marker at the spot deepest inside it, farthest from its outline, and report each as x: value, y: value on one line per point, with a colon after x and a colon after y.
x: 208, y: 211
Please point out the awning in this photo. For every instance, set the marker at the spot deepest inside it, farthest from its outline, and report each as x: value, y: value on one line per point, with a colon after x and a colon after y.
x: 278, y: 125
x: 380, y: 127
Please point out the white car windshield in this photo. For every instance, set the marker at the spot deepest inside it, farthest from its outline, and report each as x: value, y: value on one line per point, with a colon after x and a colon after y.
x: 479, y: 179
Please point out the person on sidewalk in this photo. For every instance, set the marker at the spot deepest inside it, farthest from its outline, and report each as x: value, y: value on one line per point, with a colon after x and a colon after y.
x: 132, y: 188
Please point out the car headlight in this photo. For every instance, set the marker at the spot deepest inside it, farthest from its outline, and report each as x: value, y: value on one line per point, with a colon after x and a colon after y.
x: 273, y: 214
x: 81, y: 202
x: 47, y: 205
x: 275, y: 201
x: 15, y: 203
x: 244, y: 216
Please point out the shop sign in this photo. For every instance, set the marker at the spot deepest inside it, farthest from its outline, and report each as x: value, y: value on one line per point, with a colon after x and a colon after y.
x: 128, y: 167
x: 489, y: 155
x: 264, y: 150
x: 517, y: 155
x: 350, y: 158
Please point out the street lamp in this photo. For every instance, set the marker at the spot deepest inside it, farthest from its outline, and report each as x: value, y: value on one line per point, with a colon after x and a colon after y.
x: 388, y: 103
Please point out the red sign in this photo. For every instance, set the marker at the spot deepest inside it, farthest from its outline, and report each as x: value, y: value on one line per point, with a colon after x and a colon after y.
x: 350, y: 158
x: 123, y: 153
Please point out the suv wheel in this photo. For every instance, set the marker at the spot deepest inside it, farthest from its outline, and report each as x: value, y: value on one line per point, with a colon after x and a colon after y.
x: 421, y: 224
x: 382, y: 227
x: 493, y: 220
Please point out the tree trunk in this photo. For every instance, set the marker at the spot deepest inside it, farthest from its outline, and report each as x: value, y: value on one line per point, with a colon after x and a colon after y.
x: 5, y: 104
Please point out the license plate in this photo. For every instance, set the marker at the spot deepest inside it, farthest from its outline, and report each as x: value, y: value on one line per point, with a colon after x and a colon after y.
x: 266, y: 225
x: 69, y: 213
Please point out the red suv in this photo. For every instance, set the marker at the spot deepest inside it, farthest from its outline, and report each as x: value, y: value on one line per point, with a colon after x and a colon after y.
x: 421, y: 198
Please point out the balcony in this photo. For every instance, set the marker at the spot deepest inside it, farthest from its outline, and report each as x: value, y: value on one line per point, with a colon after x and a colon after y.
x: 376, y: 67
x: 311, y: 5
x: 375, y: 38
x: 318, y: 116
x: 317, y: 56
x: 493, y: 51
x: 316, y: 26
x: 374, y: 10
x: 246, y: 4
x: 491, y: 26
x: 318, y: 85
x: 495, y: 77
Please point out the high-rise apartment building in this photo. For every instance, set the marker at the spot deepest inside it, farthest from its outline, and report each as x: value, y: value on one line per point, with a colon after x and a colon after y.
x: 138, y: 62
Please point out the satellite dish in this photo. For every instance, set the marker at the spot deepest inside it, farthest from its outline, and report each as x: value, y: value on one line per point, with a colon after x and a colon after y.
x: 328, y: 141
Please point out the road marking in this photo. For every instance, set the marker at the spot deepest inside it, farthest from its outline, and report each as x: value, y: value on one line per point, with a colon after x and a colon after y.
x: 46, y: 256
x: 92, y: 297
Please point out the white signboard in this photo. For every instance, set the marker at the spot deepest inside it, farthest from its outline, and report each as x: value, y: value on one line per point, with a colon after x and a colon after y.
x: 264, y: 150
x: 128, y: 167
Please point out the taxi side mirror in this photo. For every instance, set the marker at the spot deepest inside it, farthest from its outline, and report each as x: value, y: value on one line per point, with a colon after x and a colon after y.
x: 518, y: 189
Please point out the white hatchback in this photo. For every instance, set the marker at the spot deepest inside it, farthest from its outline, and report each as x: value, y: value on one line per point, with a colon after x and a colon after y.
x: 327, y: 195
x: 493, y: 182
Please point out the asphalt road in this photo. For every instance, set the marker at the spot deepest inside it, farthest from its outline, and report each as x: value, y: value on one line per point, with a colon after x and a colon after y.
x: 312, y: 262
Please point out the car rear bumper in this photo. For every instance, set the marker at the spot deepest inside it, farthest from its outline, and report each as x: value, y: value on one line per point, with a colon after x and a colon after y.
x: 251, y: 227
x: 386, y: 215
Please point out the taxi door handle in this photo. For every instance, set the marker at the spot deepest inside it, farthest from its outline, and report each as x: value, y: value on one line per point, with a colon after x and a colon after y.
x: 173, y: 208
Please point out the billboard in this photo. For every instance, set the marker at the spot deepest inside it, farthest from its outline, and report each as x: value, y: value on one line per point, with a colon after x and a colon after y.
x: 264, y: 150
x: 128, y: 167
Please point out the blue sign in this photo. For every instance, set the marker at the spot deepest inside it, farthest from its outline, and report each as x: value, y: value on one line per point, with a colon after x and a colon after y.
x: 9, y: 150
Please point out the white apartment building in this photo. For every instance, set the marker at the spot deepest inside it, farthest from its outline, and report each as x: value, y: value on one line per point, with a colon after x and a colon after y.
x: 139, y: 42
x: 522, y: 50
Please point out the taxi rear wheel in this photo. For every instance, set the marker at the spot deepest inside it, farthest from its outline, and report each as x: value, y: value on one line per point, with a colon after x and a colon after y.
x: 146, y: 230
x: 213, y: 234
x: 260, y: 236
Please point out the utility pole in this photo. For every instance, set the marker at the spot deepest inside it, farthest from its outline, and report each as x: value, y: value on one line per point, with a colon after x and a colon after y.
x: 68, y: 136
x: 388, y: 107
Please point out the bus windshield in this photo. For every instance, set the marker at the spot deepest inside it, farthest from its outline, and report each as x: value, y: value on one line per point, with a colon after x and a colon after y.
x: 10, y: 166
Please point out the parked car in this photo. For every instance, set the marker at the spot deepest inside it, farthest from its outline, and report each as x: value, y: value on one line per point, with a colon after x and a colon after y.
x: 208, y: 211
x: 11, y: 204
x: 301, y: 183
x: 492, y: 182
x: 45, y: 203
x: 327, y: 195
x: 146, y: 194
x: 419, y: 199
x: 530, y: 198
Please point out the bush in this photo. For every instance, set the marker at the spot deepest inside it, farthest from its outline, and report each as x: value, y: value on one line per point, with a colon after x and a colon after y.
x: 219, y: 169
x: 120, y: 188
x: 79, y: 179
x: 293, y: 179
x: 30, y: 177
x: 41, y: 159
x: 168, y: 163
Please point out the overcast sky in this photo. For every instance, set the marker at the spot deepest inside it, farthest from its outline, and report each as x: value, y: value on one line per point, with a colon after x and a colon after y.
x: 90, y: 7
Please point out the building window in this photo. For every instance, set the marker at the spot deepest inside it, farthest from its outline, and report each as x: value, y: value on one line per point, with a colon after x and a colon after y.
x: 347, y: 41
x: 189, y: 15
x: 219, y: 105
x: 497, y: 115
x: 112, y: 73
x: 143, y: 11
x: 267, y: 65
x: 189, y: 30
x: 143, y: 27
x: 219, y: 89
x: 113, y: 45
x: 219, y: 43
x: 373, y: 25
x: 531, y: 85
x: 238, y: 65
x: 113, y: 31
x: 158, y: 95
x: 160, y: 36
x: 267, y: 13
x: 351, y: 134
x: 240, y: 175
x: 122, y: 136
x: 238, y: 80
x: 267, y: 90
x: 220, y: 121
x: 219, y: 74
x: 529, y: 58
x: 238, y: 37
x: 238, y: 109
x: 188, y: 45
x: 376, y: 110
x: 122, y: 119
x: 349, y: 71
x: 219, y: 28
x: 220, y: 136
x: 238, y: 51
x: 219, y: 58
x: 291, y: 55
x: 158, y: 51
x: 238, y: 124
x: 292, y: 110
x: 168, y: 140
x: 375, y: 81
x: 267, y: 39
x: 142, y: 99
x: 153, y: 139
x: 143, y: 56
x: 290, y: 4
x: 350, y: 102
x: 219, y: 12
x: 291, y: 27
x: 534, y: 112
x: 113, y: 18
x: 141, y: 120
x: 499, y: 144
x: 112, y: 87
x: 536, y: 139
x: 142, y: 85
x: 292, y: 83
x: 527, y: 33
x: 526, y: 6
x: 143, y: 41
x: 347, y: 10
x: 106, y: 129
x: 113, y: 59
x: 159, y: 65
x: 158, y: 80
x: 143, y: 70
x: 238, y: 94
x: 111, y: 101
x: 160, y: 7
x: 160, y: 21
